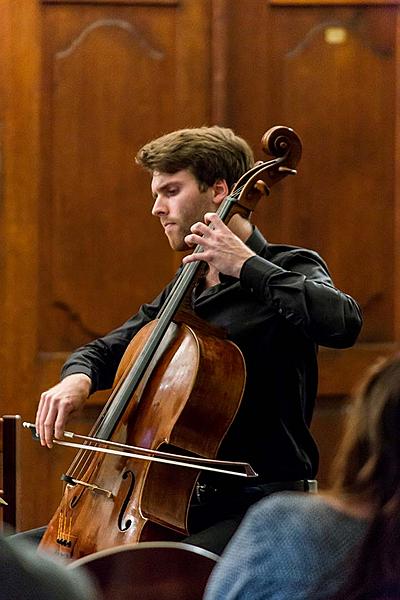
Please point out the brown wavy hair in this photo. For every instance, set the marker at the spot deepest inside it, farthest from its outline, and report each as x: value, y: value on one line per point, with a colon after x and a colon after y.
x: 209, y: 153
x: 367, y: 469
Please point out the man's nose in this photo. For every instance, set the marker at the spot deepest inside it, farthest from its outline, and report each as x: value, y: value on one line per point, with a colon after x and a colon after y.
x: 159, y: 208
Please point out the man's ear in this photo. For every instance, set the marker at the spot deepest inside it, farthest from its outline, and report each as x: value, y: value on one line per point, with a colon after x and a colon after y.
x: 221, y: 190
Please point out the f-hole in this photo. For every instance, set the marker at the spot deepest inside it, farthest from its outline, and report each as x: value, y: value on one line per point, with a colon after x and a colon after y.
x: 125, y: 526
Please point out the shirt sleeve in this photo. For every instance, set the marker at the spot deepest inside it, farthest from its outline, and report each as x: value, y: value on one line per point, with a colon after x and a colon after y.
x: 300, y: 289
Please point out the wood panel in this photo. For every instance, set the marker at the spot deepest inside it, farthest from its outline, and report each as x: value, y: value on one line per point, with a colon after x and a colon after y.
x: 362, y: 3
x: 87, y: 84
x: 18, y: 218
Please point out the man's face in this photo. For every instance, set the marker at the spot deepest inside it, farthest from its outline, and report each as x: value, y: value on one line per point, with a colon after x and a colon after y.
x: 179, y: 203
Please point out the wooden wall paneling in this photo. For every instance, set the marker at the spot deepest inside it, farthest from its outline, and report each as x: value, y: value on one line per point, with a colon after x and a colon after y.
x: 396, y: 170
x: 327, y: 427
x: 116, y: 2
x: 19, y: 220
x: 362, y: 3
x: 88, y: 83
x: 220, y: 44
x: 109, y: 75
x: 345, y: 177
x: 330, y: 72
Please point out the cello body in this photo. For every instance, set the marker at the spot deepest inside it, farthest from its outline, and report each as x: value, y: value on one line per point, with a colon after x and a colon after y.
x: 185, y: 384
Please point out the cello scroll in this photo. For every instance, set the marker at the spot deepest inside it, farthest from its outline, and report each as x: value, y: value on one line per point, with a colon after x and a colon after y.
x: 285, y: 145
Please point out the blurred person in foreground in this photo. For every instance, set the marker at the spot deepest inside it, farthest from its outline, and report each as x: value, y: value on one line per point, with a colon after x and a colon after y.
x: 25, y: 573
x: 342, y: 545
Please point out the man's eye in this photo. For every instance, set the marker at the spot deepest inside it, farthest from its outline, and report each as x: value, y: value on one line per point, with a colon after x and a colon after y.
x: 172, y: 191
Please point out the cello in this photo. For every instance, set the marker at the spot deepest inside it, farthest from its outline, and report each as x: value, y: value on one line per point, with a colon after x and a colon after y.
x: 155, y: 432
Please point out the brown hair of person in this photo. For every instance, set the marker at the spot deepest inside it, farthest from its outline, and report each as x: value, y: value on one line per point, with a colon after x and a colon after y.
x: 209, y: 153
x: 367, y: 469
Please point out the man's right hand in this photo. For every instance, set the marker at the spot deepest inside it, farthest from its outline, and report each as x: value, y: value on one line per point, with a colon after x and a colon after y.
x: 58, y: 403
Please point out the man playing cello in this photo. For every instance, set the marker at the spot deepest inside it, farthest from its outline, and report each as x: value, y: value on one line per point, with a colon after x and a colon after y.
x: 276, y: 302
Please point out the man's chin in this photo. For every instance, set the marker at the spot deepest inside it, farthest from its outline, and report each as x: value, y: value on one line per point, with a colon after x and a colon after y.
x: 181, y: 248
x: 178, y: 245
x: 176, y: 239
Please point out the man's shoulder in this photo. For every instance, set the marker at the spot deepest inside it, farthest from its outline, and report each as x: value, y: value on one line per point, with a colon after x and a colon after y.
x: 284, y: 250
x: 287, y: 255
x: 279, y: 252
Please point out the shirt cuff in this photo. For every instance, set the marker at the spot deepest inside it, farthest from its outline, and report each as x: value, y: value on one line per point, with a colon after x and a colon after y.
x: 255, y: 273
x: 77, y: 369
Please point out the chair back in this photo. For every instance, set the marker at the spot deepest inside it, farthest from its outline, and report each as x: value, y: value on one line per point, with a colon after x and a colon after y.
x: 150, y: 570
x: 10, y: 433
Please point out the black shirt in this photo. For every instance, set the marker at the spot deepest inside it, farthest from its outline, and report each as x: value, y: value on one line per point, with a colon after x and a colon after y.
x: 283, y: 306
